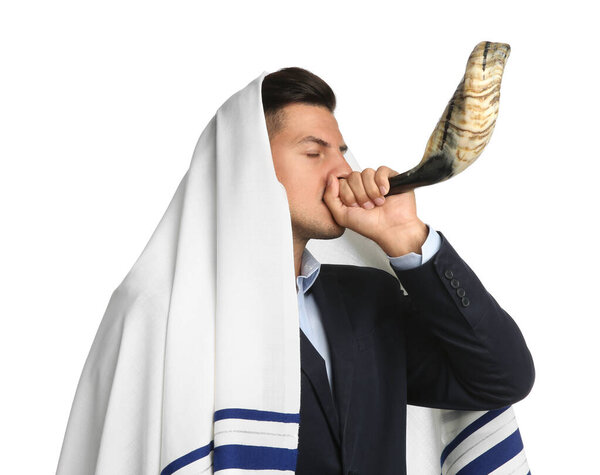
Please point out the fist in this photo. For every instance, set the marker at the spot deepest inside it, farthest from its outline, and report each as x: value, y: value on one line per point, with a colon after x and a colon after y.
x: 357, y: 202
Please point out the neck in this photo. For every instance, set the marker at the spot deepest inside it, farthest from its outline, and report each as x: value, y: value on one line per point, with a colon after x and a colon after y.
x: 299, y: 245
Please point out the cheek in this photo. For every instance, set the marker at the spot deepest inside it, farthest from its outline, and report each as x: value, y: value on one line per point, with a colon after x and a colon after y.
x: 304, y: 185
x: 303, y: 195
x: 296, y: 193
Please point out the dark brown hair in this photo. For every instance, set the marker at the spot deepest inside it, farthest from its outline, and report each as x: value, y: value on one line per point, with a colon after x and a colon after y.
x: 292, y: 85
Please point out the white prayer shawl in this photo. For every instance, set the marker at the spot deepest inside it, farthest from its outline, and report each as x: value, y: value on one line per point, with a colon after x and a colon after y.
x: 195, y: 368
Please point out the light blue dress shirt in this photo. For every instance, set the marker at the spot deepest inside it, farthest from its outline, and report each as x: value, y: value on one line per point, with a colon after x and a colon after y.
x: 310, y: 317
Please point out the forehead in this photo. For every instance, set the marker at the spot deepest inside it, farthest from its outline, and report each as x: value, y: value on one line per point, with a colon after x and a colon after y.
x: 303, y: 120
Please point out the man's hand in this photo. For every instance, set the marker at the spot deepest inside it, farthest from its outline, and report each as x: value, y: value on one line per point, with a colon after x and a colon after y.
x: 357, y: 202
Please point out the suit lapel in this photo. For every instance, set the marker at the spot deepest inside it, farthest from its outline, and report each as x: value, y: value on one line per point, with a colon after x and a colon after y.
x: 313, y: 366
x: 328, y: 296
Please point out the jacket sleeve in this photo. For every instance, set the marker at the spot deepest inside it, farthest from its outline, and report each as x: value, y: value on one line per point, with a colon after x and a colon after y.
x: 463, y: 351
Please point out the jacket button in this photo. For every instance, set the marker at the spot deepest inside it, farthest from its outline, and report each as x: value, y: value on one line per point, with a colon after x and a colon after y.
x: 448, y: 274
x: 454, y: 283
x: 465, y: 302
x: 460, y: 292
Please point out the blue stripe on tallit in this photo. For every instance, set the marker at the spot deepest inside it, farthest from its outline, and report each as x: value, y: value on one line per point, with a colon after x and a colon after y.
x: 243, y: 456
x: 187, y: 459
x: 467, y: 431
x: 495, y: 457
x: 251, y: 457
x: 256, y: 415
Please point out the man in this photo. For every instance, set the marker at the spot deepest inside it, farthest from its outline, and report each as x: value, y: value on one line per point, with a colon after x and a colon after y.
x: 448, y: 344
x: 198, y: 364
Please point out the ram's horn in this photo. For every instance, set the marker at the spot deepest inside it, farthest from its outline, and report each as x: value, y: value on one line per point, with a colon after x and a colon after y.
x: 466, y: 125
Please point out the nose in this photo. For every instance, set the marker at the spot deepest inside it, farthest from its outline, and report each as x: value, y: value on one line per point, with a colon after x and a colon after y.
x: 342, y: 168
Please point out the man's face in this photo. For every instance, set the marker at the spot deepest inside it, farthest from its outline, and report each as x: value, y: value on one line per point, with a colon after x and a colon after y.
x: 307, y: 149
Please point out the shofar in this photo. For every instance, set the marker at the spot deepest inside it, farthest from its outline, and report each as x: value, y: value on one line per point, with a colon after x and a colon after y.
x: 466, y: 125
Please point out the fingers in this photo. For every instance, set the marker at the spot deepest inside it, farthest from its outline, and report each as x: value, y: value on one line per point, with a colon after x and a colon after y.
x: 346, y: 193
x: 366, y: 188
x: 382, y: 178
x: 331, y: 198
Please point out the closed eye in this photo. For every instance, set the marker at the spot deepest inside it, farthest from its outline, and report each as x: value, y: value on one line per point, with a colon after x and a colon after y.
x: 313, y: 154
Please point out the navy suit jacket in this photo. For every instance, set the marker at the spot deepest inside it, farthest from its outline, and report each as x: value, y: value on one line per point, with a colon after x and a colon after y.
x: 448, y: 344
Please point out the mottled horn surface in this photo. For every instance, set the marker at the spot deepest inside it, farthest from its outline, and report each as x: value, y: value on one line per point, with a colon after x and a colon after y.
x: 465, y: 127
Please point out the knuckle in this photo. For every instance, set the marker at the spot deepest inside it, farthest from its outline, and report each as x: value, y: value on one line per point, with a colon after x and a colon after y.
x: 347, y: 195
x: 354, y: 176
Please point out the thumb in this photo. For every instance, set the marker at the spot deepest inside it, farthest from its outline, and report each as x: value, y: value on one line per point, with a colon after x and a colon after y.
x: 331, y: 196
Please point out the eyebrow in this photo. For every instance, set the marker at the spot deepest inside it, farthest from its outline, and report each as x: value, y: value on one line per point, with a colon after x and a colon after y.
x: 312, y: 138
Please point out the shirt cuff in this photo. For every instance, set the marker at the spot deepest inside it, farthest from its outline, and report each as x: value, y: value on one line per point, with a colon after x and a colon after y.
x: 412, y: 259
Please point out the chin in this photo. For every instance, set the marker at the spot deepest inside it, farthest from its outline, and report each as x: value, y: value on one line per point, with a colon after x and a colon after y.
x: 320, y: 225
x: 332, y: 229
x: 331, y: 232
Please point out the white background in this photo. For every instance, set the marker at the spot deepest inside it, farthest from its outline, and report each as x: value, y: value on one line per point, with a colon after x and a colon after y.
x: 101, y: 105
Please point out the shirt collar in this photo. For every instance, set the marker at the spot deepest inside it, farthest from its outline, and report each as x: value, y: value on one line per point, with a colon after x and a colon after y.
x: 309, y: 271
